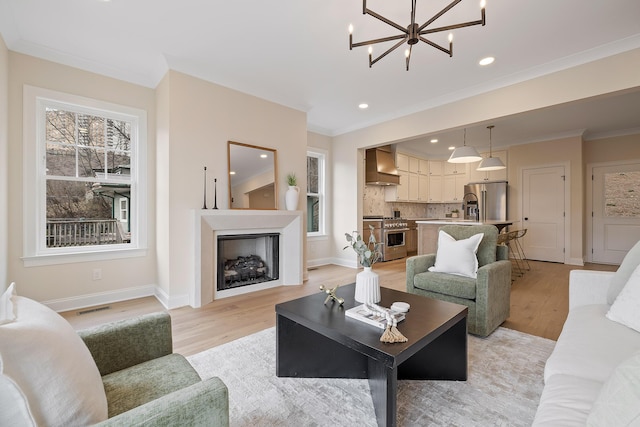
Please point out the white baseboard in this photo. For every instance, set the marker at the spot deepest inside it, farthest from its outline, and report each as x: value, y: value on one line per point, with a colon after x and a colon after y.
x: 101, y: 298
x: 344, y: 262
x: 576, y: 261
x: 171, y: 302
x: 318, y: 262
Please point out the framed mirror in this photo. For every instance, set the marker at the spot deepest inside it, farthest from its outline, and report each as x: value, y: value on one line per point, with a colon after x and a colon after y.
x: 252, y: 177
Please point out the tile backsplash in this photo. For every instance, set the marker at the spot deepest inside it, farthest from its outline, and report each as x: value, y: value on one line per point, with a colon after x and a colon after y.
x: 374, y: 204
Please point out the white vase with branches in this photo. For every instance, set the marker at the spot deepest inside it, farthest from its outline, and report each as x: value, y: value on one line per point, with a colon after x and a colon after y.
x: 367, y: 281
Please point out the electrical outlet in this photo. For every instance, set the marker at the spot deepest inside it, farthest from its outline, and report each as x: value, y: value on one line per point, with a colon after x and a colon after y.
x: 97, y: 274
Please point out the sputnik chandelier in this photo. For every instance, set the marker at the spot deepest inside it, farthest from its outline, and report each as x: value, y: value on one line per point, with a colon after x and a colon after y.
x: 413, y: 33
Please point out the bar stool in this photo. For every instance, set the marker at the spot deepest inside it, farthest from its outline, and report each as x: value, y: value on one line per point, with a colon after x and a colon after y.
x: 509, y: 239
x: 519, y: 250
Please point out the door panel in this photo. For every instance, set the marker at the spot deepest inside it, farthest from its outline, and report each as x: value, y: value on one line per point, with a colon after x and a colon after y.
x: 543, y: 213
x: 616, y: 211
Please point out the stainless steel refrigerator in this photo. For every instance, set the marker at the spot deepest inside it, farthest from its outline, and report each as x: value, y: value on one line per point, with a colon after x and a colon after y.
x: 486, y: 201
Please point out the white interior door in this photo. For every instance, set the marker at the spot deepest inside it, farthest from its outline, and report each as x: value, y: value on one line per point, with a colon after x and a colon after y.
x: 543, y: 213
x: 616, y: 211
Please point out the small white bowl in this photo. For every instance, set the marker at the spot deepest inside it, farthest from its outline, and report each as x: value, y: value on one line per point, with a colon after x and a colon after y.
x: 400, y: 307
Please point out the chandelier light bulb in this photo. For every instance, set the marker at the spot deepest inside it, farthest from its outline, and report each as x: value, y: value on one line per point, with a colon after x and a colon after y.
x: 483, y: 3
x: 370, y: 50
x: 450, y: 37
x: 350, y: 28
x: 406, y: 53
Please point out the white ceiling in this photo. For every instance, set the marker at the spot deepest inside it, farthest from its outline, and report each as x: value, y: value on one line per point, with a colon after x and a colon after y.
x: 295, y: 53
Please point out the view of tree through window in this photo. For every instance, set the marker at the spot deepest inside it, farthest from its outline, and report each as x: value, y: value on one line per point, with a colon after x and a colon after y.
x: 88, y: 173
x: 622, y: 194
x: 313, y: 199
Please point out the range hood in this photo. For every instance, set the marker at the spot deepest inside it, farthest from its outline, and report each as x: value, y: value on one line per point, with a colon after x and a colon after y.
x: 380, y: 167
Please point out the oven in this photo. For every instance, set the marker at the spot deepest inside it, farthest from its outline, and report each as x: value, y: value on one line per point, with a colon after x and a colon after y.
x: 391, y: 232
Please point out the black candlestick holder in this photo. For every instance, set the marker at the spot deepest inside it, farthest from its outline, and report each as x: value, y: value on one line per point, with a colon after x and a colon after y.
x: 204, y: 203
x: 215, y: 193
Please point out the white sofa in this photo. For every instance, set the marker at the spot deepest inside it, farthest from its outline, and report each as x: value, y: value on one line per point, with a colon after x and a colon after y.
x: 588, y: 352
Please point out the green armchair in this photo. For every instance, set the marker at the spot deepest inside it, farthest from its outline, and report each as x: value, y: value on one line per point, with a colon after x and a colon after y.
x: 488, y: 297
x: 145, y: 383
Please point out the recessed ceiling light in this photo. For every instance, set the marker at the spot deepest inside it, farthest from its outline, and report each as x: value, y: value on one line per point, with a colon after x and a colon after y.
x: 452, y: 148
x: 363, y: 106
x: 433, y: 141
x: 232, y: 172
x: 488, y: 60
x: 263, y: 156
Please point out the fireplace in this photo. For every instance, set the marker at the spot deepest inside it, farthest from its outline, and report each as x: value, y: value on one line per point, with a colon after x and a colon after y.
x: 247, y: 259
x: 211, y: 224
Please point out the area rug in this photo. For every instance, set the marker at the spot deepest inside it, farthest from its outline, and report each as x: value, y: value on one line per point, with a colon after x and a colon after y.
x: 503, y: 388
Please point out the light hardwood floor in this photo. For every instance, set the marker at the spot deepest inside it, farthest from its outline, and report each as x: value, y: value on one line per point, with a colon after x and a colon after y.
x: 539, y: 305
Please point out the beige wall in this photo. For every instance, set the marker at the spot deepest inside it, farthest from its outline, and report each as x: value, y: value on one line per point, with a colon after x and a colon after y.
x: 70, y: 283
x: 563, y: 152
x: 612, y: 149
x: 202, y: 117
x: 596, y: 78
x: 4, y: 162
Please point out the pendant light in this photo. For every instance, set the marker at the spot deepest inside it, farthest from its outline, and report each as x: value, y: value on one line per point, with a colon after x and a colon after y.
x: 491, y: 163
x: 464, y: 154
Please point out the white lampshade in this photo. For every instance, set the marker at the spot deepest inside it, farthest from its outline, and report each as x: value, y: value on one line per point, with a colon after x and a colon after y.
x: 491, y: 164
x: 464, y: 154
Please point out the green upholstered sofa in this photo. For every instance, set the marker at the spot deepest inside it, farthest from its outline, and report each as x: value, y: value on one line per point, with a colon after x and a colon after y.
x: 488, y: 297
x: 146, y: 383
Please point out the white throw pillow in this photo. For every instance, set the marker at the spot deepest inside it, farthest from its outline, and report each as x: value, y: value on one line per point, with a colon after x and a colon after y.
x: 457, y: 256
x: 626, y: 307
x: 6, y: 305
x: 46, y: 369
x: 618, y: 403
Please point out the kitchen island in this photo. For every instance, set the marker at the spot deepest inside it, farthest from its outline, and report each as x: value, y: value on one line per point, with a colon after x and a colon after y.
x: 428, y: 230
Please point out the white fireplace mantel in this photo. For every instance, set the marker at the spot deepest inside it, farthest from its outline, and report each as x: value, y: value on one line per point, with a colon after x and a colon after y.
x: 208, y: 224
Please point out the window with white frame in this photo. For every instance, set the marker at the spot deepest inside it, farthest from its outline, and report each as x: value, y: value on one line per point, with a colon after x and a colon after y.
x: 316, y: 163
x: 84, y: 160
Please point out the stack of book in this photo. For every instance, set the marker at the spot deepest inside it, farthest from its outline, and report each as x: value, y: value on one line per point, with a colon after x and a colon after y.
x: 360, y: 313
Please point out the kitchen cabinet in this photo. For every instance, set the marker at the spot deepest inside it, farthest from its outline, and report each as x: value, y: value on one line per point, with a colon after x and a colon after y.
x: 402, y: 162
x: 453, y: 187
x: 454, y: 168
x: 435, y: 167
x: 435, y: 189
x: 411, y: 238
x: 480, y: 176
x: 400, y: 192
x: 414, y: 180
x: 423, y: 188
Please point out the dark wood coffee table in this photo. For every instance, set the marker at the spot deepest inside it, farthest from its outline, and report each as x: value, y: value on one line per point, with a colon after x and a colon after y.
x: 319, y: 341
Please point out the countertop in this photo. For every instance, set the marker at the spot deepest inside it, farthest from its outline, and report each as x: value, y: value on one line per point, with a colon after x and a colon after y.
x: 460, y: 221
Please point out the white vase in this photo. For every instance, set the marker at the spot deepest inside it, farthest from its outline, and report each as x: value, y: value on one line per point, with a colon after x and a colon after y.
x: 367, y: 286
x: 291, y: 198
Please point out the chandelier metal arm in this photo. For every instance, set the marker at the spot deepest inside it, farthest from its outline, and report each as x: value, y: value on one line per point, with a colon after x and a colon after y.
x: 385, y: 20
x: 437, y: 46
x: 391, y: 49
x: 452, y: 27
x: 374, y: 41
x: 439, y: 14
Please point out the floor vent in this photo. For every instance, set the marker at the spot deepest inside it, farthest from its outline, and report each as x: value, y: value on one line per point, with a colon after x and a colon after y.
x: 93, y: 310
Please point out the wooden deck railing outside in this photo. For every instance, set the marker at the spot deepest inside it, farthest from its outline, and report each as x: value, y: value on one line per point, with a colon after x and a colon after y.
x: 84, y: 232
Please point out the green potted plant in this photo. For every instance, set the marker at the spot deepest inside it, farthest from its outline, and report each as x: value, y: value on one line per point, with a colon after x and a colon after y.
x: 292, y: 181
x: 454, y: 213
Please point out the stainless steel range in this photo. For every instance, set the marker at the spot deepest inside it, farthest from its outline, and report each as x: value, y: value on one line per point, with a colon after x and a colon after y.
x: 391, y: 232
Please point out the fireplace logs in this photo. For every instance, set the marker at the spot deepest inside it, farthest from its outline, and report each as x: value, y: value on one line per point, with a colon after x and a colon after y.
x: 244, y: 268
